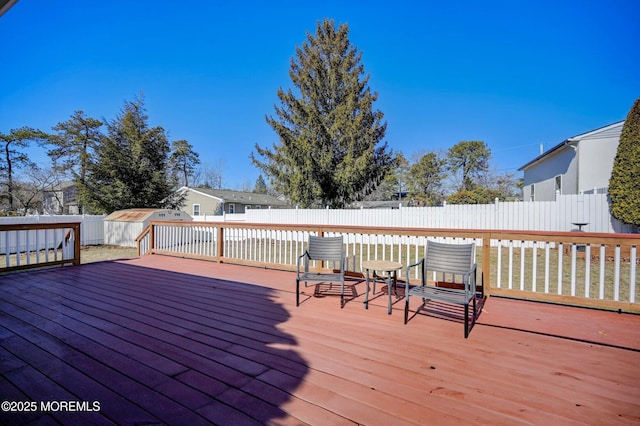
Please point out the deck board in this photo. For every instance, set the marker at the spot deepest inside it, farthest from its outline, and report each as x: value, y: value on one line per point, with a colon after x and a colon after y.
x: 166, y: 340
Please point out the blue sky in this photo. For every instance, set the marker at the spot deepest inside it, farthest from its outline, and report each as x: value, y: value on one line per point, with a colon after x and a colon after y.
x: 514, y: 74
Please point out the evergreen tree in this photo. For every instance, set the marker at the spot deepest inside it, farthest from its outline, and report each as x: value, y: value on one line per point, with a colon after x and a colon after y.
x: 330, y: 151
x: 183, y: 161
x: 471, y: 159
x: 624, y: 189
x: 73, y: 149
x: 425, y: 180
x: 132, y: 167
x: 13, y: 158
x: 261, y: 186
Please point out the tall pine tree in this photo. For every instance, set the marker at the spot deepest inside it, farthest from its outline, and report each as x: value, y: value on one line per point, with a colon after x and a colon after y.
x: 183, y: 162
x: 624, y: 189
x: 132, y: 167
x: 260, y: 186
x: 471, y: 159
x: 73, y: 149
x: 330, y: 151
x: 13, y: 158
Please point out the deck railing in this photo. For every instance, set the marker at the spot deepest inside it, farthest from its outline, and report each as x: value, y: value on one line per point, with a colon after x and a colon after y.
x: 35, y: 245
x: 579, y: 268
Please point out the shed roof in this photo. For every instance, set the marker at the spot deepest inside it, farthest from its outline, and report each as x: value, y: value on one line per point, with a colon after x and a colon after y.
x: 132, y: 215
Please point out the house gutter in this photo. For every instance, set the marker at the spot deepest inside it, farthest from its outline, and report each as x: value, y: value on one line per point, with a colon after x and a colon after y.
x: 545, y: 154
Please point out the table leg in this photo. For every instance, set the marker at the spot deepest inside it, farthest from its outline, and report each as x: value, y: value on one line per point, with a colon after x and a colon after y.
x: 395, y: 283
x: 389, y: 291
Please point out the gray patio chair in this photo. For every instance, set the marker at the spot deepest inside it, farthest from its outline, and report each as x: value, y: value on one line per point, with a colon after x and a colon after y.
x: 321, y: 249
x: 456, y: 259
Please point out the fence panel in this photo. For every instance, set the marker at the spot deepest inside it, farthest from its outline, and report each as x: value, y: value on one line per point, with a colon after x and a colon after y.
x: 91, y: 226
x: 559, y: 215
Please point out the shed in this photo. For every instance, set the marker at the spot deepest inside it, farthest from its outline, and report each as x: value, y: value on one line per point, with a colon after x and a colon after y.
x: 122, y: 227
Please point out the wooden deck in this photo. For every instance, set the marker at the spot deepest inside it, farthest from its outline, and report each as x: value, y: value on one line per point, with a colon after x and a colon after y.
x: 161, y: 340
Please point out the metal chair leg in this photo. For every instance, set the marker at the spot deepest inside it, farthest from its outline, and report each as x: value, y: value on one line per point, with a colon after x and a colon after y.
x: 466, y: 320
x: 406, y: 309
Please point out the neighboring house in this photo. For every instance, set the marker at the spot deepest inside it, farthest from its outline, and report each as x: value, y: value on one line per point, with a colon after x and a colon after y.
x: 61, y: 199
x: 580, y: 164
x: 205, y: 201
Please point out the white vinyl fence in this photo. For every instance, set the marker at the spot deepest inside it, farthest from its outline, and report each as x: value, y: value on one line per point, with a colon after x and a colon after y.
x: 91, y: 228
x: 589, y: 210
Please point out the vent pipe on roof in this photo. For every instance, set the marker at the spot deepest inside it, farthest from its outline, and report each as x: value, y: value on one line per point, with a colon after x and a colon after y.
x: 541, y: 149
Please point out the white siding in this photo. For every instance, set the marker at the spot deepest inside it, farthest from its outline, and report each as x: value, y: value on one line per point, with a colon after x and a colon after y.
x: 596, y: 162
x: 122, y: 233
x: 543, y: 175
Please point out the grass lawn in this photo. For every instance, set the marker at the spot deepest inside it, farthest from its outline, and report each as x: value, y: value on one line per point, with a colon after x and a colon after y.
x: 89, y: 254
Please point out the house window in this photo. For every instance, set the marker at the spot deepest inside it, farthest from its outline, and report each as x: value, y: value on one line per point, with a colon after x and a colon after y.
x: 559, y: 184
x: 232, y: 208
x: 532, y: 196
x: 196, y: 209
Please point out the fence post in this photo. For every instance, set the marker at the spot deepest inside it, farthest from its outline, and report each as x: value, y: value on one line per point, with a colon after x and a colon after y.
x: 486, y: 264
x: 152, y: 237
x: 76, y: 257
x: 220, y: 243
